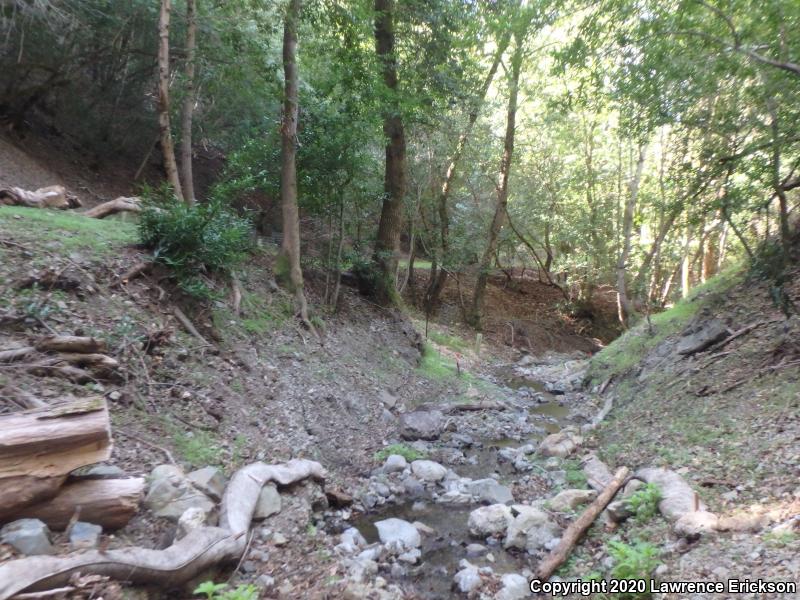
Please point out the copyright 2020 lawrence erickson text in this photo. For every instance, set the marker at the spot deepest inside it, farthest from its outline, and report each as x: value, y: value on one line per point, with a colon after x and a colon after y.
x: 623, y: 586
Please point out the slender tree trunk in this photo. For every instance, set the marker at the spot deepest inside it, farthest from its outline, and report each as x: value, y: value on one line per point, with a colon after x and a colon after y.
x: 438, y: 279
x: 625, y: 306
x: 686, y: 266
x: 188, y: 102
x: 291, y: 216
x: 475, y: 314
x: 394, y: 185
x: 335, y: 299
x: 167, y: 148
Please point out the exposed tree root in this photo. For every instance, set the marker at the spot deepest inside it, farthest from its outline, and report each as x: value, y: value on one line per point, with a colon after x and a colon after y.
x: 169, y: 568
x: 112, y: 207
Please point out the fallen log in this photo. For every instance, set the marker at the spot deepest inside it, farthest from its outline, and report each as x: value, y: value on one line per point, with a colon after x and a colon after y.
x: 52, y: 196
x: 110, y: 503
x: 39, y: 447
x: 70, y: 343
x: 112, y: 207
x: 576, y: 530
x: 137, y: 270
x: 169, y: 568
x: 68, y: 372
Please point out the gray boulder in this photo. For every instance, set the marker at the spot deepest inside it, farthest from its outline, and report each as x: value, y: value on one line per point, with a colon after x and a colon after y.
x: 489, y: 490
x: 169, y: 498
x: 468, y: 579
x: 560, y: 444
x: 210, y: 481
x: 394, y: 464
x: 269, y: 502
x: 531, y: 529
x: 515, y: 587
x: 393, y: 531
x: 711, y: 332
x: 489, y: 520
x: 421, y: 425
x: 84, y: 536
x: 598, y: 475
x: 28, y: 536
x: 191, y: 519
x: 428, y: 470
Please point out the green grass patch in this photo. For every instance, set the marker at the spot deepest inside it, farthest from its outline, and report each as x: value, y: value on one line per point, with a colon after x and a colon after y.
x: 626, y: 351
x: 575, y: 476
x: 418, y: 264
x: 435, y: 366
x: 643, y: 503
x: 453, y: 342
x: 407, y: 452
x: 70, y: 230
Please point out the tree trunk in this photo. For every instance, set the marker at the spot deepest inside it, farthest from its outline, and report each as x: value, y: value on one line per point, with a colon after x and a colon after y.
x: 167, y: 148
x: 476, y: 310
x: 188, y: 102
x: 437, y: 279
x: 394, y: 185
x: 624, y: 305
x: 291, y: 216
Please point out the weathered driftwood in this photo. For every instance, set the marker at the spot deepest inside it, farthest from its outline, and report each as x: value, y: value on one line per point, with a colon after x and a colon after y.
x: 576, y: 530
x: 15, y: 354
x: 53, y: 196
x: 39, y: 447
x: 173, y: 566
x: 112, y: 207
x: 110, y: 503
x: 68, y: 372
x: 70, y: 343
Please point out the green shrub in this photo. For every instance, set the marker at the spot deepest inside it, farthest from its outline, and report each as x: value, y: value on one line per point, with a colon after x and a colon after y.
x: 193, y: 239
x: 643, y: 503
x: 407, y: 452
x: 220, y: 591
x: 632, y: 561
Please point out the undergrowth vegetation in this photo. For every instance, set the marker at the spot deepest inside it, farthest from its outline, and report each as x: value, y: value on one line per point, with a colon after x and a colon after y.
x: 193, y: 239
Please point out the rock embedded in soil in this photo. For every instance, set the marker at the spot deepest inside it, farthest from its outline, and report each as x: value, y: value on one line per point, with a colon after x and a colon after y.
x: 421, y: 425
x: 84, y: 536
x: 27, y: 536
x: 531, y: 529
x: 560, y: 444
x: 269, y: 502
x: 489, y: 520
x: 191, y: 519
x: 210, y: 481
x: 395, y: 464
x: 428, y: 470
x: 468, y: 579
x: 598, y: 475
x: 712, y: 332
x: 170, y: 499
x: 567, y: 500
x: 515, y: 587
x: 392, y: 531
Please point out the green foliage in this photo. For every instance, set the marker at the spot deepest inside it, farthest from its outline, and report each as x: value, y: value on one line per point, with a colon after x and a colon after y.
x: 574, y: 473
x: 644, y: 502
x: 199, y: 448
x: 632, y: 561
x: 435, y: 366
x: 453, y: 342
x: 220, y: 591
x: 192, y: 239
x: 407, y: 452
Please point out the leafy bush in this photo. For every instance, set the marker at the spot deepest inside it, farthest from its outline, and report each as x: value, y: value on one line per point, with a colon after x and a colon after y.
x: 220, y: 591
x: 643, y: 503
x: 636, y: 561
x: 193, y: 239
x: 407, y: 452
